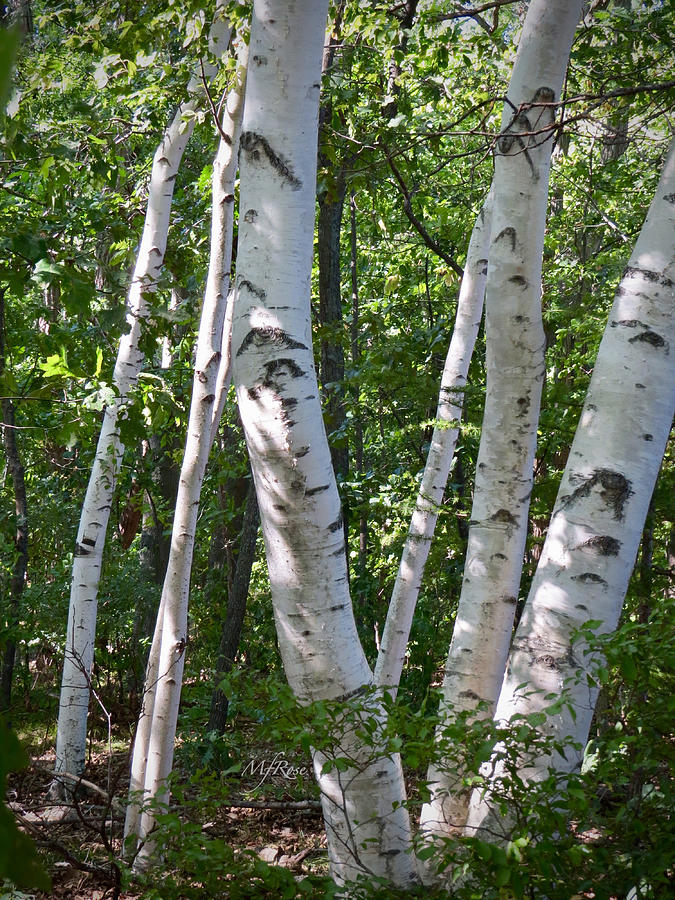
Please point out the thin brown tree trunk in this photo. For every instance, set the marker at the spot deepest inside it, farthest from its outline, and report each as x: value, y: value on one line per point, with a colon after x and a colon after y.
x: 18, y: 576
x: 236, y: 610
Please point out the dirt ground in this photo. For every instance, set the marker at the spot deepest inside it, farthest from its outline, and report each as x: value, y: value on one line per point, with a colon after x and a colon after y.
x: 260, y: 814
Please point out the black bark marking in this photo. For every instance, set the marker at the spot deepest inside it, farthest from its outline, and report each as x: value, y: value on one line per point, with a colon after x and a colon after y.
x: 81, y: 550
x: 88, y: 541
x: 258, y: 291
x: 316, y: 490
x: 250, y: 215
x: 338, y: 552
x: 303, y: 451
x: 581, y: 606
x: 521, y: 282
x: 335, y: 609
x: 510, y: 600
x: 269, y: 336
x: 648, y: 437
x: 648, y: 275
x: 209, y: 398
x: 543, y: 95
x: 509, y: 233
x: 547, y: 660
x: 252, y: 143
x: 669, y: 198
x: 588, y: 578
x: 523, y: 406
x: 503, y: 515
x: 482, y: 264
x: 228, y: 198
x: 260, y: 60
x: 641, y: 386
x: 649, y: 337
x: 498, y: 556
x: 470, y: 695
x: 281, y: 367
x: 279, y: 507
x: 337, y: 524
x: 616, y: 489
x: 603, y: 544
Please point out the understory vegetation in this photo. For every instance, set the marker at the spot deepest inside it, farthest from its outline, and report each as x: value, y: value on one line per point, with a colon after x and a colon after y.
x: 409, y: 117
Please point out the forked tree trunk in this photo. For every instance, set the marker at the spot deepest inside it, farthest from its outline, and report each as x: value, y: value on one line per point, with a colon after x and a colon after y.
x: 597, y: 521
x: 515, y: 373
x: 435, y: 478
x: 152, y: 759
x: 81, y: 630
x: 279, y: 404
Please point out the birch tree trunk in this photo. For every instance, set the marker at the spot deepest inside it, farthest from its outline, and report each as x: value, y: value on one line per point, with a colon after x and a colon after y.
x: 515, y: 372
x: 278, y: 399
x: 597, y: 521
x: 435, y: 478
x: 152, y: 759
x: 80, y: 633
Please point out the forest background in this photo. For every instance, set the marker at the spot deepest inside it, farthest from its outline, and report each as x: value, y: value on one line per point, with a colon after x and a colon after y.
x: 410, y: 112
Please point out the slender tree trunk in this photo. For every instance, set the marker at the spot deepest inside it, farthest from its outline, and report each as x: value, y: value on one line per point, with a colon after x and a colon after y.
x: 20, y: 564
x: 597, y: 521
x: 278, y: 399
x: 441, y: 451
x: 515, y: 373
x: 236, y: 609
x: 356, y: 358
x: 332, y: 370
x: 153, y: 747
x: 80, y: 633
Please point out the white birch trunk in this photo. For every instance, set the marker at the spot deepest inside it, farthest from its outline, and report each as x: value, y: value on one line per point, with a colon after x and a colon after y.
x: 597, y: 521
x: 515, y: 372
x: 152, y: 759
x: 439, y: 459
x: 81, y: 630
x: 279, y: 404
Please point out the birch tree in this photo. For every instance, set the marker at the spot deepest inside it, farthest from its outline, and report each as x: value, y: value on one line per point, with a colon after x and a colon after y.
x: 597, y: 521
x: 439, y: 459
x: 279, y: 405
x: 155, y: 736
x: 89, y: 544
x: 515, y: 372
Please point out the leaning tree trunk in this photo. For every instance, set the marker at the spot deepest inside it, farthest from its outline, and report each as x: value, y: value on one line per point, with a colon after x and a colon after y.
x: 154, y: 742
x: 597, y: 521
x: 435, y: 477
x: 80, y: 633
x: 278, y: 399
x: 515, y: 373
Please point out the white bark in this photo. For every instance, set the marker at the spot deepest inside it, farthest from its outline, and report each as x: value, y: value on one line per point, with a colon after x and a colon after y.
x: 515, y: 372
x: 597, y: 521
x: 279, y: 404
x: 152, y: 759
x: 439, y: 459
x: 81, y: 629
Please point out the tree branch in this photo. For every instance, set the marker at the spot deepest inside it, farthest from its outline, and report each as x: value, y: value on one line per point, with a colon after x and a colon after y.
x: 415, y: 222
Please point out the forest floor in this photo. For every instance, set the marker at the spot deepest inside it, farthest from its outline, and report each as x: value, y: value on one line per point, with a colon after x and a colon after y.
x: 256, y: 810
